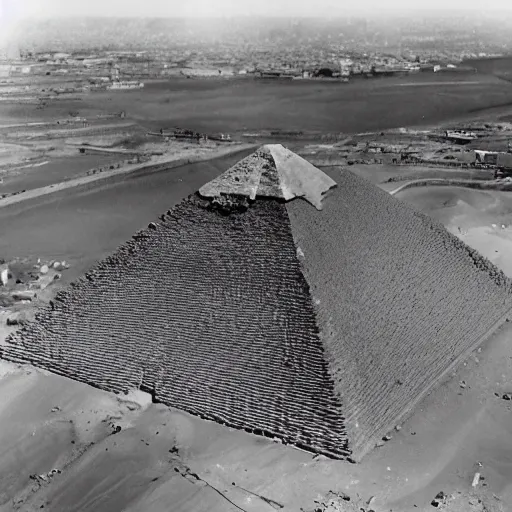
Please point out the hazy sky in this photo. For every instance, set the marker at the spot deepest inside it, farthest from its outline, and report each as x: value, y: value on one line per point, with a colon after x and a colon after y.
x: 51, y: 8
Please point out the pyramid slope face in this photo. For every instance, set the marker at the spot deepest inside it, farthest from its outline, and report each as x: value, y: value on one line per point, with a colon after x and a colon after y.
x: 210, y: 314
x: 399, y: 300
x: 272, y: 171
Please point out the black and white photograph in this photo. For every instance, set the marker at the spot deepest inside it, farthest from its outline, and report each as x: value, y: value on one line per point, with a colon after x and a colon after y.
x: 255, y: 256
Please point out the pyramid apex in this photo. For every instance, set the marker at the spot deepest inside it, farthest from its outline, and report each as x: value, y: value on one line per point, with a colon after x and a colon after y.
x: 272, y: 171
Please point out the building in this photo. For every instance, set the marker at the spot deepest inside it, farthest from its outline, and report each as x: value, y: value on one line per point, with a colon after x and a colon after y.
x: 504, y: 161
x: 467, y: 157
x: 61, y: 56
x: 132, y: 84
x: 346, y: 66
x: 486, y: 157
x: 460, y: 136
x: 5, y: 70
x: 17, y: 69
x: 114, y: 73
x: 13, y: 52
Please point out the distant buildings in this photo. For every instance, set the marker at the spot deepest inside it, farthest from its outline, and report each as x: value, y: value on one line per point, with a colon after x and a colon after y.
x: 460, y: 136
x: 131, y: 84
x: 5, y: 70
x: 191, y: 57
x: 486, y: 157
x: 346, y: 67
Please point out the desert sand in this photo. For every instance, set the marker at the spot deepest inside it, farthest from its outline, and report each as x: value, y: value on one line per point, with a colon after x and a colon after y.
x: 134, y: 470
x: 482, y: 219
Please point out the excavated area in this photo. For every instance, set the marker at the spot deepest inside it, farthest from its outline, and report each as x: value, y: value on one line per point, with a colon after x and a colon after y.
x: 208, y: 311
x: 399, y: 300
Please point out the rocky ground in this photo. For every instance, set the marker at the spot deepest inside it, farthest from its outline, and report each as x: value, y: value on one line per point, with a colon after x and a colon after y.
x: 25, y: 285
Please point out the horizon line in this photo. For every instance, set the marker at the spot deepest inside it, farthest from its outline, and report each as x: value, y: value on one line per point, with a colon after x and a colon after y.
x: 346, y: 13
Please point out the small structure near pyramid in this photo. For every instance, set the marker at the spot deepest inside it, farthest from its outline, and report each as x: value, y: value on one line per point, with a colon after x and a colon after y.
x: 279, y: 301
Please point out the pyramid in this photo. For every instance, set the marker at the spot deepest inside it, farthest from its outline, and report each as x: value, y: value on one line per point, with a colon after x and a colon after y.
x: 280, y: 301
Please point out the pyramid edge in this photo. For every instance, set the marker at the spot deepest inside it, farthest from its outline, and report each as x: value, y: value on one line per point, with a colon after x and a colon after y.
x: 363, y: 449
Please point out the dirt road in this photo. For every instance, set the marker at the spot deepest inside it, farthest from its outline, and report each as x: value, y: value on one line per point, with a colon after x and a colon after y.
x: 82, y: 181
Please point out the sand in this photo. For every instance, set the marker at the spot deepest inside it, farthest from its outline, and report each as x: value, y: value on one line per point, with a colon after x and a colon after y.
x: 379, y: 173
x: 46, y: 425
x: 454, y: 429
x: 475, y: 216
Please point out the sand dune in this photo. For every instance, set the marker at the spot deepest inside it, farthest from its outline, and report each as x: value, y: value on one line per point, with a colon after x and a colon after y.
x: 477, y: 217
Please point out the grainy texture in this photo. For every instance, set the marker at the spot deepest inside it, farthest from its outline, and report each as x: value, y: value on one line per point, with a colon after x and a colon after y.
x: 208, y: 312
x: 399, y: 299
